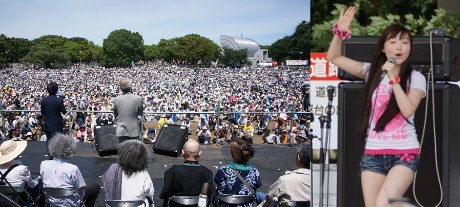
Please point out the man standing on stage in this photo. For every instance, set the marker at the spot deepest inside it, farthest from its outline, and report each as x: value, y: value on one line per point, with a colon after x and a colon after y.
x: 127, y: 109
x: 52, y: 109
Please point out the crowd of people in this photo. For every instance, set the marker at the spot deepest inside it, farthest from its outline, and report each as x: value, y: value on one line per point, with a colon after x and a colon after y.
x: 162, y: 87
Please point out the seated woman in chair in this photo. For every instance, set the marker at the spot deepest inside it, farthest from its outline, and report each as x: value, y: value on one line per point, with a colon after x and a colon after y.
x: 59, y: 173
x: 128, y: 179
x: 16, y: 174
x: 227, y: 179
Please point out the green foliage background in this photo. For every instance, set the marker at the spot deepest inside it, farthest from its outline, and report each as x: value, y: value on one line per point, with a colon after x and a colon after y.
x: 374, y: 15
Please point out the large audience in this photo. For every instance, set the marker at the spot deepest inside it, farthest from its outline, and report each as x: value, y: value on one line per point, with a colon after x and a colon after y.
x: 88, y: 92
x: 163, y: 87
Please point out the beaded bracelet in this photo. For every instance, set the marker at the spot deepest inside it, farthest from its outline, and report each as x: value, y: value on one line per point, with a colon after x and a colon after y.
x: 343, y: 35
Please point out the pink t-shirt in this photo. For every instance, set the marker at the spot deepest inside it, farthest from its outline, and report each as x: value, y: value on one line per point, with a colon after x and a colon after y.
x: 399, y: 135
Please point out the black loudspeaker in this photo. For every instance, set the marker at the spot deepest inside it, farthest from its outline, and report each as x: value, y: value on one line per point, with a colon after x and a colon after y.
x: 171, y: 139
x: 350, y: 147
x: 106, y: 140
x: 446, y: 55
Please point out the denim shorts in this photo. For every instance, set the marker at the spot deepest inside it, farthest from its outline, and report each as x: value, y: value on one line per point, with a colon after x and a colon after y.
x: 383, y: 163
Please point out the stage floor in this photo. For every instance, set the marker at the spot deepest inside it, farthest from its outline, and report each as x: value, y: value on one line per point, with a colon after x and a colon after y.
x: 271, y: 160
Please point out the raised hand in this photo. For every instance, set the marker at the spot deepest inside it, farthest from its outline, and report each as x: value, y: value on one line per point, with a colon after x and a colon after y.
x: 345, y: 19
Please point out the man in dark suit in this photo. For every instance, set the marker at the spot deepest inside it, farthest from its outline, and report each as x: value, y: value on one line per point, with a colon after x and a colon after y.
x: 52, y: 109
x: 187, y: 179
x: 127, y: 109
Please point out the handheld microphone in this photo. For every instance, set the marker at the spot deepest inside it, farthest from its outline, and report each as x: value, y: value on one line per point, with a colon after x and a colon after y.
x: 391, y: 60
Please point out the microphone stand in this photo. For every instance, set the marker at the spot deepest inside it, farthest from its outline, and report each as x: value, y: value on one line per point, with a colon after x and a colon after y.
x: 325, y: 142
x: 322, y: 159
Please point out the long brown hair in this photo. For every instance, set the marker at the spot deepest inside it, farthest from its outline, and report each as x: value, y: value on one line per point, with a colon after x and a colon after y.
x: 374, y: 74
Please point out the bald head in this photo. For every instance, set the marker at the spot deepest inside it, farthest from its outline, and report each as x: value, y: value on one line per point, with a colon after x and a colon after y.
x: 125, y: 85
x: 191, y: 149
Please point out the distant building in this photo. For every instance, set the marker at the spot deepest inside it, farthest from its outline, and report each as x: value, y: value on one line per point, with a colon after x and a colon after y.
x: 255, y: 54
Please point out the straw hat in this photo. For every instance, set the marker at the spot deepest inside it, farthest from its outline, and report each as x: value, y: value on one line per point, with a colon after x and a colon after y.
x: 10, y: 149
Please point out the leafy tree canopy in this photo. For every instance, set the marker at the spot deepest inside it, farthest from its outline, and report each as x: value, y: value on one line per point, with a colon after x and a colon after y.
x: 233, y: 58
x: 122, y: 47
x: 295, y: 46
x: 189, y: 49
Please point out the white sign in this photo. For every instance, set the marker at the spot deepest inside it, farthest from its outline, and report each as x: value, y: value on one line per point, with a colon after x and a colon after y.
x: 296, y: 62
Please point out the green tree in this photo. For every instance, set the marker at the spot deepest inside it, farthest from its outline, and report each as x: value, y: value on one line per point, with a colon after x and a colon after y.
x: 151, y: 52
x: 295, y: 46
x: 169, y: 50
x: 48, y: 51
x: 17, y: 48
x: 189, y: 49
x: 3, y: 42
x: 43, y: 56
x: 12, y: 49
x: 81, y: 50
x: 199, y: 49
x: 55, y: 42
x: 122, y: 47
x: 233, y: 58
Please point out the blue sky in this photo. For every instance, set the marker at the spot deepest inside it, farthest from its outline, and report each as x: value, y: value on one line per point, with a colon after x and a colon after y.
x: 264, y: 21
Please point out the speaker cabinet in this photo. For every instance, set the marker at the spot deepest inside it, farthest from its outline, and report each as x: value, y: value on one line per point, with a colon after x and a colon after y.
x: 446, y: 55
x: 447, y: 116
x: 106, y: 140
x: 171, y: 139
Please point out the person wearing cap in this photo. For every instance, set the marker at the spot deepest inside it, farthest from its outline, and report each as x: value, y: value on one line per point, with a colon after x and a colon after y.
x: 188, y: 178
x: 302, y: 137
x: 204, y: 136
x: 284, y: 138
x: 127, y: 109
x: 52, y: 108
x: 19, y: 175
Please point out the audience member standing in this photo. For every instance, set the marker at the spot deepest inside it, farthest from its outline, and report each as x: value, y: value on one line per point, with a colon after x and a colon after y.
x: 52, y: 109
x: 127, y: 108
x: 188, y: 178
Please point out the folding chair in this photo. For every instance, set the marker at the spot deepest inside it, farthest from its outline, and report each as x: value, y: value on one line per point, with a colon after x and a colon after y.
x: 184, y: 200
x: 122, y: 203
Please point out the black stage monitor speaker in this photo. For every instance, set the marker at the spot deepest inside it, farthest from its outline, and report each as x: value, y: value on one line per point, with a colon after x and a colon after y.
x: 106, y: 140
x: 350, y: 147
x: 446, y: 55
x: 171, y: 139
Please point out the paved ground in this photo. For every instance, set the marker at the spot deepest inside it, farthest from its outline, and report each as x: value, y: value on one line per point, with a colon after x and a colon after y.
x: 271, y: 160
